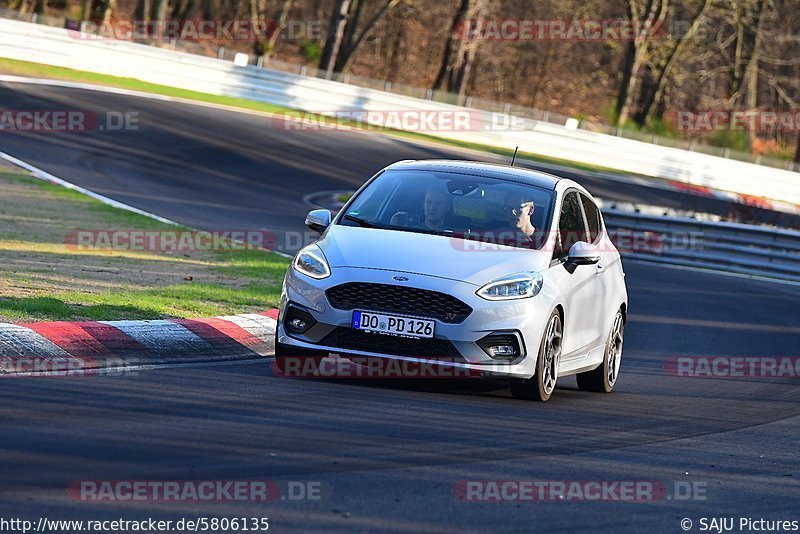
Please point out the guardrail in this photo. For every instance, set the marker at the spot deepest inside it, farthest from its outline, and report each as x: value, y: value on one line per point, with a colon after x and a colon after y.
x: 54, y: 46
x: 729, y: 247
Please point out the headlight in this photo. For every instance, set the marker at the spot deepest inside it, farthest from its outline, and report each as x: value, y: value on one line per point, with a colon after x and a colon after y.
x: 515, y: 286
x: 311, y: 262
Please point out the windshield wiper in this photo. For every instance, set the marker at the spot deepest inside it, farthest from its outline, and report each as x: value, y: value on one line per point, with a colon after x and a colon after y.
x: 363, y: 222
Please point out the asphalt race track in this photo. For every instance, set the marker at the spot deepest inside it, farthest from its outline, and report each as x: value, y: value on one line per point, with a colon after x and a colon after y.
x: 389, y: 454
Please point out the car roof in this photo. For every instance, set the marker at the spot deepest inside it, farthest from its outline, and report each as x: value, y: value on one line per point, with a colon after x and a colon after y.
x: 479, y: 168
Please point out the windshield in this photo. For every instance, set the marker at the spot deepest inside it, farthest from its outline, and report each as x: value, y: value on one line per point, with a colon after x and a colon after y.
x: 456, y: 205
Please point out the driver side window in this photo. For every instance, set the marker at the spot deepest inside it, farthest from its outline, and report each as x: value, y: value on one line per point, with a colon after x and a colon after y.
x: 571, y: 225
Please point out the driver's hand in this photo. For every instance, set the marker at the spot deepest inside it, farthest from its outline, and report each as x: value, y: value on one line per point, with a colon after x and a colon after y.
x: 399, y: 219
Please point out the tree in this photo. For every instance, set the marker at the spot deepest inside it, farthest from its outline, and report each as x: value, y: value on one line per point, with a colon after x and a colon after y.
x: 645, y: 17
x: 159, y: 14
x: 143, y: 11
x: 108, y: 10
x: 460, y: 50
x: 353, y: 39
x: 676, y: 49
x: 276, y: 29
x: 89, y: 7
x: 333, y: 43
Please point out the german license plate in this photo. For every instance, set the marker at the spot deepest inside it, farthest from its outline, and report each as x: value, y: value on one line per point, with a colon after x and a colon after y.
x: 393, y: 324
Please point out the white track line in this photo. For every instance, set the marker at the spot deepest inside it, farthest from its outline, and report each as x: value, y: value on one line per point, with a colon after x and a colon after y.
x: 36, y: 172
x: 41, y: 174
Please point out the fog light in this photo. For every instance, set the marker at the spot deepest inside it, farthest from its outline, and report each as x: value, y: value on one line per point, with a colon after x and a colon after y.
x: 502, y: 350
x: 298, y: 321
x: 298, y: 324
x: 502, y: 345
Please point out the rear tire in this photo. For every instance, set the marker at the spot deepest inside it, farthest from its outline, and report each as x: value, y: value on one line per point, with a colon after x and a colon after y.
x: 541, y: 386
x: 603, y: 379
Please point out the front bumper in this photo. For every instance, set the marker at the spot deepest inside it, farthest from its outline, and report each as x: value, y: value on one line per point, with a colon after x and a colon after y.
x: 525, y: 317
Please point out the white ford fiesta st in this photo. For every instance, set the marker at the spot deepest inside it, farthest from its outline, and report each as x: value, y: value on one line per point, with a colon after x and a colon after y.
x: 501, y: 271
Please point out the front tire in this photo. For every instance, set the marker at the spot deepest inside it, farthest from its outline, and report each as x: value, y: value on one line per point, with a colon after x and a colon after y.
x: 603, y: 379
x: 541, y: 386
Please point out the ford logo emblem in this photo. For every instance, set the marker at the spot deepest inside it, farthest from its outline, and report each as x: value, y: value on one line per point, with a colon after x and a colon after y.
x: 400, y: 278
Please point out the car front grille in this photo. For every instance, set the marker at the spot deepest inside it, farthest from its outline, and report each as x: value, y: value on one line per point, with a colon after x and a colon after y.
x: 398, y: 299
x: 352, y: 339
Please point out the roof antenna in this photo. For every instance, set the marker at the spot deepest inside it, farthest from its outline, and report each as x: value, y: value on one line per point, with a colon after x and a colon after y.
x: 514, y: 158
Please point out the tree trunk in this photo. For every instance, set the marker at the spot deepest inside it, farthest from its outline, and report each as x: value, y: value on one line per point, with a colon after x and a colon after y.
x: 88, y: 9
x: 352, y: 45
x: 796, y: 158
x: 272, y: 41
x: 470, y: 53
x: 158, y: 15
x: 183, y: 9
x: 351, y: 29
x: 639, y: 57
x: 736, y: 74
x: 111, y: 6
x: 143, y: 11
x: 627, y: 70
x: 453, y: 51
x: 24, y: 6
x: 258, y: 22
x: 333, y: 42
x: 653, y: 17
x: 751, y: 71
x: 211, y: 9
x: 672, y: 57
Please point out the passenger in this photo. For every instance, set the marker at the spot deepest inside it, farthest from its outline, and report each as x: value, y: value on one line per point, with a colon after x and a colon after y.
x: 519, y: 211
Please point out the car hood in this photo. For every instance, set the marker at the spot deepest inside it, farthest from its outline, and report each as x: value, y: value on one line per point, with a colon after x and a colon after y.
x: 432, y: 255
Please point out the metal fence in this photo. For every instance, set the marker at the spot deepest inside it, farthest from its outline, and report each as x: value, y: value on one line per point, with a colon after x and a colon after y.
x: 729, y: 247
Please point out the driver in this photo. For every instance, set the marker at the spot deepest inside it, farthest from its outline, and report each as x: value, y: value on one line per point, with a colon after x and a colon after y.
x: 436, y: 208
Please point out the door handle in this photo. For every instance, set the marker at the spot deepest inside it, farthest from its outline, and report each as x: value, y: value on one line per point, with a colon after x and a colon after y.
x: 600, y: 268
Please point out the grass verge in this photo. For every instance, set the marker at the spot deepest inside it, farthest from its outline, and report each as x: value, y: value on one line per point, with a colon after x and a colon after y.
x: 43, y: 276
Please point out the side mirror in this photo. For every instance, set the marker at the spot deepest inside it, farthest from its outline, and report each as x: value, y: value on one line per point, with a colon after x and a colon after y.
x: 581, y: 253
x: 318, y: 220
